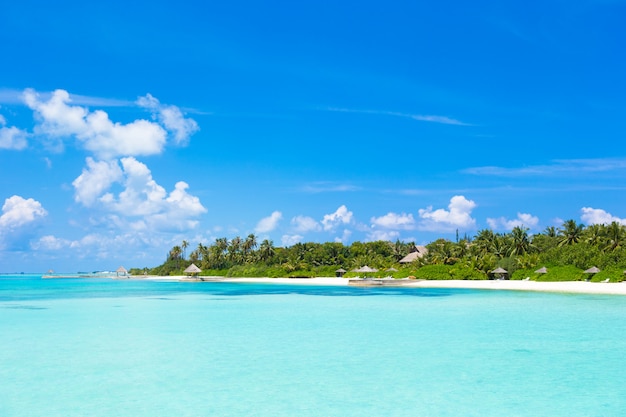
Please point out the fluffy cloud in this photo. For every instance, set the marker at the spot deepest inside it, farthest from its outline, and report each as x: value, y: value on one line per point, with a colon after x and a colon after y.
x: 389, y: 235
x: 340, y: 216
x: 141, y: 197
x: 458, y: 216
x: 171, y: 117
x: 290, y: 240
x: 96, y: 178
x: 344, y: 237
x: 267, y: 224
x: 394, y: 221
x: 58, y: 118
x: 50, y: 243
x: 17, y: 212
x: 523, y: 220
x: 599, y: 216
x: 19, y: 216
x: 304, y: 224
x: 11, y: 137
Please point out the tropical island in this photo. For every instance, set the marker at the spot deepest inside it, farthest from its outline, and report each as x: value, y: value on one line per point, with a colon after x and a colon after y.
x: 572, y: 252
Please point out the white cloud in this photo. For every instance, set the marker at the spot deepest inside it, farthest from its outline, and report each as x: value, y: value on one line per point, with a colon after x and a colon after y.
x: 394, y: 221
x: 523, y: 220
x: 421, y: 117
x: 305, y: 224
x: 290, y: 240
x: 171, y: 117
x: 96, y: 178
x: 18, y: 219
x: 559, y: 167
x: 267, y: 224
x: 340, y: 216
x: 141, y: 198
x: 599, y: 216
x: 58, y: 118
x: 344, y: 237
x: 326, y: 187
x: 389, y: 235
x: 50, y: 243
x: 18, y: 212
x: 12, y: 137
x: 458, y: 216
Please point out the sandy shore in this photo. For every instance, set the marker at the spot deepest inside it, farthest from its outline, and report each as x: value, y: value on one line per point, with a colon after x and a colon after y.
x: 579, y: 287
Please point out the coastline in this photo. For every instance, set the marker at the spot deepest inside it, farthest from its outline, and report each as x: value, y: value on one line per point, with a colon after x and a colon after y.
x: 575, y: 287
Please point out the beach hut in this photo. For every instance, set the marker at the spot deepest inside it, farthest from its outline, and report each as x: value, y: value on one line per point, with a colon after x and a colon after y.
x: 418, y: 252
x: 340, y: 272
x: 365, y: 269
x: 121, y: 271
x: 192, y: 270
x: 591, y: 272
x: 500, y: 273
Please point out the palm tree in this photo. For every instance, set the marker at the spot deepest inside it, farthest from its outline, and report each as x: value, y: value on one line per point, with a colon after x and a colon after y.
x: 248, y: 246
x: 615, y: 235
x: 594, y: 234
x: 234, y: 249
x: 570, y: 233
x: 550, y: 231
x: 184, y: 245
x: 266, y: 250
x: 485, y: 240
x: 520, y: 243
x: 175, y: 254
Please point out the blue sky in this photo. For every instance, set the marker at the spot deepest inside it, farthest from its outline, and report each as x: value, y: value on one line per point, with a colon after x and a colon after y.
x: 126, y: 127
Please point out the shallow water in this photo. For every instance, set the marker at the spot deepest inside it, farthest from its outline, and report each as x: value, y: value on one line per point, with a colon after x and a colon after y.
x: 77, y: 347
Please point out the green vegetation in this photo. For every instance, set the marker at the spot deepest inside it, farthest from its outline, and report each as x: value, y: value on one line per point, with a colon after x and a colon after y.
x: 566, y: 252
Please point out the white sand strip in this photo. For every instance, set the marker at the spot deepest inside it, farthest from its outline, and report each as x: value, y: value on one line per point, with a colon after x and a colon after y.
x: 580, y: 287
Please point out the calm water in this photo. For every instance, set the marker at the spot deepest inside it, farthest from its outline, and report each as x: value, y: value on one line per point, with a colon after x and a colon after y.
x: 132, y: 348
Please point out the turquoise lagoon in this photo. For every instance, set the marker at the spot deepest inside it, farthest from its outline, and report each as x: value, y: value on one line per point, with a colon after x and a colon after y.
x: 98, y: 347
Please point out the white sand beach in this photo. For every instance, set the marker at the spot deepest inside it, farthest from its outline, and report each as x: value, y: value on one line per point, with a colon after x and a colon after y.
x: 580, y: 287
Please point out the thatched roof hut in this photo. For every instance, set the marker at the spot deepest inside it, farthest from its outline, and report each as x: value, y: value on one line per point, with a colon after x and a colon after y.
x: 340, y: 272
x: 121, y: 271
x: 365, y: 269
x: 192, y: 270
x: 500, y: 273
x: 418, y: 252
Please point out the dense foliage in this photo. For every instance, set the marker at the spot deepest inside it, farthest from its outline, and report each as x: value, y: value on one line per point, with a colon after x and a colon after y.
x: 566, y: 252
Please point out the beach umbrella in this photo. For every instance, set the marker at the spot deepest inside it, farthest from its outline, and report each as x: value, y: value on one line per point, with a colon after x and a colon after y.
x: 366, y: 269
x: 340, y: 272
x: 542, y: 270
x: 591, y: 272
x: 501, y: 272
x: 391, y: 270
x: 192, y: 269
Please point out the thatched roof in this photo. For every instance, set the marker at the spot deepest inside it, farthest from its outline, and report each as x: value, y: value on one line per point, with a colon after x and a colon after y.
x: 542, y: 270
x: 366, y: 269
x: 418, y: 252
x: 391, y: 270
x: 121, y: 270
x: 499, y: 271
x: 341, y: 270
x: 192, y: 269
x: 592, y: 270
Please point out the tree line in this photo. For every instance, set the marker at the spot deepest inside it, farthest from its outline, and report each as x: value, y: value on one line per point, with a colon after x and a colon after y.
x: 572, y: 248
